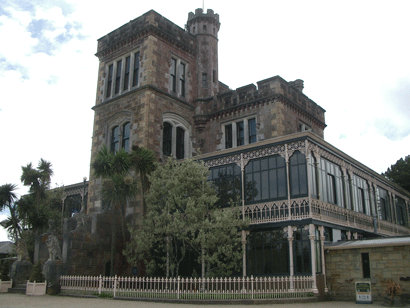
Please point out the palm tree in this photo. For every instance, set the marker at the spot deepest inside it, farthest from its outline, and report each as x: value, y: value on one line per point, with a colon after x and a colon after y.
x: 118, y: 187
x: 8, y: 200
x: 143, y: 161
x: 38, y: 179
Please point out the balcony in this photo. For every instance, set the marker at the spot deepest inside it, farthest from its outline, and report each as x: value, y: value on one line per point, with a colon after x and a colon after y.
x: 298, y: 209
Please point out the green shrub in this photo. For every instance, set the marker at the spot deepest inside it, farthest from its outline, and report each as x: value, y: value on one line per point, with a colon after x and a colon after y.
x: 37, y: 274
x: 4, y: 273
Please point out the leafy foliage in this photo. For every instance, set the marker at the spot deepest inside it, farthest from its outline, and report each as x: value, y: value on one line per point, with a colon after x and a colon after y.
x: 399, y: 173
x: 37, y: 274
x: 8, y: 200
x: 181, y: 217
x: 4, y: 272
x: 119, y: 185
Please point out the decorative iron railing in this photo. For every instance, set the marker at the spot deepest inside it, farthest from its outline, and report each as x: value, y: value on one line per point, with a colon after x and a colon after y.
x: 276, y: 211
x: 241, y: 288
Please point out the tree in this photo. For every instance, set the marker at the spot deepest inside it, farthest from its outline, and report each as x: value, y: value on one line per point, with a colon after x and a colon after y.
x: 38, y: 179
x: 181, y: 217
x: 143, y: 161
x: 118, y: 187
x: 8, y: 200
x: 399, y: 173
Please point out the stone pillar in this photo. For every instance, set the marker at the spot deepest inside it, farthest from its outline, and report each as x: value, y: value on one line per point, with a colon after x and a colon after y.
x: 244, y: 233
x: 289, y: 230
x: 322, y: 245
x: 349, y: 235
x: 312, y: 236
x: 242, y: 163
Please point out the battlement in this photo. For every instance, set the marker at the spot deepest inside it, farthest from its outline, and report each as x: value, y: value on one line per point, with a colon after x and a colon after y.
x: 199, y: 13
x: 139, y: 27
x: 266, y: 89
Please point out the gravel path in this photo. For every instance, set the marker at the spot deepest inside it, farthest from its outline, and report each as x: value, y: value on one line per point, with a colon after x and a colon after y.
x: 47, y: 301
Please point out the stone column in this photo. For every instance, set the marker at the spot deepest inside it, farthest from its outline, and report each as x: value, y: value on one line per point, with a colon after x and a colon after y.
x: 313, y: 256
x: 289, y: 230
x: 242, y: 163
x: 349, y: 235
x: 322, y: 245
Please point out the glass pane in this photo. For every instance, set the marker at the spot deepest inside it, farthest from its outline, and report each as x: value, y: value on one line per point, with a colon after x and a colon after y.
x: 265, y: 185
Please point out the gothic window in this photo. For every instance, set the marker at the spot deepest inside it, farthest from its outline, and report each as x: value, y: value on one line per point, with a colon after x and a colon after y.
x: 298, y: 175
x: 115, y: 139
x: 120, y: 137
x: 180, y: 143
x: 175, y: 137
x: 126, y: 129
x: 167, y: 139
x: 239, y: 133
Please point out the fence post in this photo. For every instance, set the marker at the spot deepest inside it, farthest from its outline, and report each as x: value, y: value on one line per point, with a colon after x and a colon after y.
x: 99, y: 285
x: 178, y: 287
x: 252, y: 285
x: 115, y: 284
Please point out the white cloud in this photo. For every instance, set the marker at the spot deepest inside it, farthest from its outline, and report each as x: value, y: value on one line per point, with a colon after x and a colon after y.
x: 352, y: 55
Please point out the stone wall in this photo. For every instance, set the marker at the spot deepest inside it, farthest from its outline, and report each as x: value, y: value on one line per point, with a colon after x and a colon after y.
x: 344, y: 267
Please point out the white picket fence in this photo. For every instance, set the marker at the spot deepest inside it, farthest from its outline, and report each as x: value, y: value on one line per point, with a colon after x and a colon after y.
x: 189, y: 288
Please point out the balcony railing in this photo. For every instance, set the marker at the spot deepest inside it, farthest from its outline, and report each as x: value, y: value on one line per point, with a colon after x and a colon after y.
x: 242, y: 288
x: 277, y: 211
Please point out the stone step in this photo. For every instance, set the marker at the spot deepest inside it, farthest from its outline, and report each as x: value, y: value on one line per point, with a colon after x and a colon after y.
x: 18, y: 288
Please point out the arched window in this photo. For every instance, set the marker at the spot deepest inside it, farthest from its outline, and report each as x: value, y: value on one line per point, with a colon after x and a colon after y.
x: 126, y: 132
x: 175, y: 137
x: 115, y: 139
x: 180, y: 146
x: 298, y: 175
x: 167, y: 139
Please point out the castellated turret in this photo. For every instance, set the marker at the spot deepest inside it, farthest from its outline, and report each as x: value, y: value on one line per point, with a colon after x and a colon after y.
x: 206, y: 27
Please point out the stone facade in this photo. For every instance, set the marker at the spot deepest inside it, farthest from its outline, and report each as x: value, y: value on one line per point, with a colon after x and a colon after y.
x: 152, y: 71
x: 388, y: 261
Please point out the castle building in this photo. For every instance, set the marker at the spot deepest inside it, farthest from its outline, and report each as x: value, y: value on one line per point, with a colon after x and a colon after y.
x: 158, y: 88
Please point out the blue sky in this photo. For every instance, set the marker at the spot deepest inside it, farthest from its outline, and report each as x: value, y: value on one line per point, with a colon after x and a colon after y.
x: 352, y: 55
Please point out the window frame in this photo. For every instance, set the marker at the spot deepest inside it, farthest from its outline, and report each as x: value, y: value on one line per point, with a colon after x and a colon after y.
x: 176, y: 145
x: 178, y: 81
x: 122, y: 138
x: 231, y: 135
x: 122, y: 74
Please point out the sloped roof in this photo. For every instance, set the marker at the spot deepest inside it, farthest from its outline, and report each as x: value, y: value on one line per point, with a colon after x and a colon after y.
x: 379, y: 242
x: 6, y: 248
